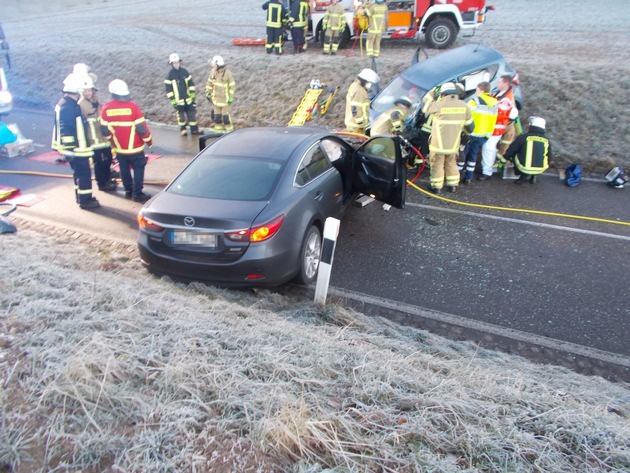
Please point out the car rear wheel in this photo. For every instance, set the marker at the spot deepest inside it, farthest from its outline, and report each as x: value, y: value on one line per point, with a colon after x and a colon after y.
x: 310, y: 256
x: 440, y: 33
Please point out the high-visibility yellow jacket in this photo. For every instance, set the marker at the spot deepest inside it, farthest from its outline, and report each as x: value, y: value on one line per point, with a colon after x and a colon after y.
x: 450, y: 116
x: 357, y: 106
x: 221, y: 87
x: 377, y: 13
x: 484, y: 112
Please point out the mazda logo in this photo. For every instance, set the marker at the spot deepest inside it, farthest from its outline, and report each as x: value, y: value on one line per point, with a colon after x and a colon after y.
x: 189, y: 221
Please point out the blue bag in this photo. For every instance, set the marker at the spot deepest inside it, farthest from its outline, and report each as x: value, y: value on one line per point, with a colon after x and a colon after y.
x: 573, y: 175
x: 6, y: 135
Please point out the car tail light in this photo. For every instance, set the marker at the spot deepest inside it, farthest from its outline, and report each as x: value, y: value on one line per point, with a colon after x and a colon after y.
x: 515, y: 79
x: 266, y: 231
x: 148, y: 224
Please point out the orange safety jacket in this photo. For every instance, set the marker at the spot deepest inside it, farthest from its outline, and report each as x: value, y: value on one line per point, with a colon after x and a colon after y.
x: 504, y: 108
x: 124, y: 124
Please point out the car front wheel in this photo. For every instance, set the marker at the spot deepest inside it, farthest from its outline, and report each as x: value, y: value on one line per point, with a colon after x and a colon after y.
x: 310, y: 256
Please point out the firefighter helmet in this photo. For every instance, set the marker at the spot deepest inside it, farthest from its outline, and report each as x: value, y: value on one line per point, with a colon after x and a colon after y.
x: 81, y: 69
x: 403, y: 101
x: 118, y: 87
x: 174, y: 57
x: 368, y: 75
x: 72, y: 84
x: 86, y: 83
x: 448, y: 88
x: 217, y: 61
x: 537, y: 122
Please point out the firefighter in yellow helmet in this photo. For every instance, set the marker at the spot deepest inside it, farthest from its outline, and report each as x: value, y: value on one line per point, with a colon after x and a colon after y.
x: 450, y: 117
x: 333, y: 26
x: 358, y: 101
x: 391, y: 122
x: 220, y: 91
x: 377, y: 15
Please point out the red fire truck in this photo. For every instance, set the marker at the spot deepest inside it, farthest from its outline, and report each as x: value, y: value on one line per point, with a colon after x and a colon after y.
x: 439, y: 20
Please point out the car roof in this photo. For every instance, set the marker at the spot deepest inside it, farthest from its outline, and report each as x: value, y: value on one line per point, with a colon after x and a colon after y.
x: 266, y: 142
x: 449, y: 64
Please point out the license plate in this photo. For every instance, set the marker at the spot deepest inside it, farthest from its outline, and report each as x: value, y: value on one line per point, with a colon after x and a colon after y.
x: 188, y: 237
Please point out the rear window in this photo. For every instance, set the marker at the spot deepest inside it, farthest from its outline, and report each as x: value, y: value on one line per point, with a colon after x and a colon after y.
x: 228, y: 178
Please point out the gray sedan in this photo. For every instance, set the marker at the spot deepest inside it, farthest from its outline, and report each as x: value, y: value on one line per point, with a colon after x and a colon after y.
x: 251, y: 207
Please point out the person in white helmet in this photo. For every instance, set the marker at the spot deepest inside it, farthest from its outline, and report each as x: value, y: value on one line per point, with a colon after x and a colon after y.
x: 530, y: 152
x: 102, y: 159
x: 358, y: 101
x: 70, y: 139
x: 391, y: 121
x: 181, y: 91
x: 220, y: 90
x: 123, y: 123
x: 450, y: 117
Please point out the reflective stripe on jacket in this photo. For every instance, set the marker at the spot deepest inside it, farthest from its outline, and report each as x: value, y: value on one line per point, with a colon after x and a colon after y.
x: 69, y: 136
x: 390, y: 122
x: 484, y: 112
x: 299, y: 13
x: 180, y: 88
x: 450, y: 115
x: 377, y: 13
x: 221, y: 87
x: 335, y: 17
x: 125, y: 124
x: 357, y: 106
x: 91, y: 113
x: 275, y: 13
x: 530, y: 152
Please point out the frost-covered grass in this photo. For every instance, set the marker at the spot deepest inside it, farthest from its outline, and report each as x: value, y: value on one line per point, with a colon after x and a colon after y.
x: 104, y: 368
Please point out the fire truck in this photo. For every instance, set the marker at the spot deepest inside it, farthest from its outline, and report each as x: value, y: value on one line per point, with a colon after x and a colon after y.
x: 439, y: 20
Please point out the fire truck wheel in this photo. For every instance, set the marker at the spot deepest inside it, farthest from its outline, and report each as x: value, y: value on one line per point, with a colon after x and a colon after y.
x: 440, y: 33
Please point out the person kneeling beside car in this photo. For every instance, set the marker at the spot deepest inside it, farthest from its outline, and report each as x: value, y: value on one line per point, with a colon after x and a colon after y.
x: 530, y: 152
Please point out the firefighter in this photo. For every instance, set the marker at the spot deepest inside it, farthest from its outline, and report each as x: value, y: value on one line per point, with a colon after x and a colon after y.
x: 123, y: 123
x: 102, y: 159
x: 506, y: 111
x: 391, y: 122
x: 530, y: 152
x: 276, y: 14
x: 484, y: 113
x: 358, y: 101
x: 181, y: 91
x: 333, y: 25
x: 377, y: 15
x: 450, y: 117
x: 220, y: 91
x: 70, y: 139
x: 298, y: 20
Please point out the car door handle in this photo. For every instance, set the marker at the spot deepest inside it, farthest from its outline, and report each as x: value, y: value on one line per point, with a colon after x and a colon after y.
x: 319, y: 196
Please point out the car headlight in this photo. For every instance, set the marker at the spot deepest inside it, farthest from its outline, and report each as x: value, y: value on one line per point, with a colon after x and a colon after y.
x: 5, y: 97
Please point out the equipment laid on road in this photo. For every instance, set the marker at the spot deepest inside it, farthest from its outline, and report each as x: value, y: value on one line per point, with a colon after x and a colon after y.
x: 439, y: 21
x: 5, y: 225
x: 20, y: 147
x: 310, y: 104
x: 616, y: 177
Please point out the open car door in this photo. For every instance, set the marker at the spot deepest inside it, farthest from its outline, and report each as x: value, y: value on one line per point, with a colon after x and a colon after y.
x: 378, y: 170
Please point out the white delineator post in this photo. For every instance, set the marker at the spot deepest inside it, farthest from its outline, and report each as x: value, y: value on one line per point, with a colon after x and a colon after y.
x: 331, y: 231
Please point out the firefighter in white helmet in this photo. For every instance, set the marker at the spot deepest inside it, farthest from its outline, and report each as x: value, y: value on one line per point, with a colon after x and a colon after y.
x: 70, y: 139
x: 220, y: 90
x: 102, y: 159
x: 391, y: 121
x: 450, y: 117
x: 181, y: 91
x: 123, y: 123
x: 358, y: 101
x: 530, y: 152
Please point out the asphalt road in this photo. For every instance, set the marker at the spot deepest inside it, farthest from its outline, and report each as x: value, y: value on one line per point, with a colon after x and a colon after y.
x: 564, y: 279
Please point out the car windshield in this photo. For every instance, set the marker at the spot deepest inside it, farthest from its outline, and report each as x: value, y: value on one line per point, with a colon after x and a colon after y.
x: 399, y: 87
x: 228, y: 178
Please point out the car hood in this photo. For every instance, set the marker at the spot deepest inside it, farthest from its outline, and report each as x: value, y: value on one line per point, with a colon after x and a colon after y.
x: 171, y: 209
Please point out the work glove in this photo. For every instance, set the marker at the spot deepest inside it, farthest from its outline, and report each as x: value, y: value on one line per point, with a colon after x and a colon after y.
x: 230, y: 100
x: 192, y: 96
x: 209, y: 97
